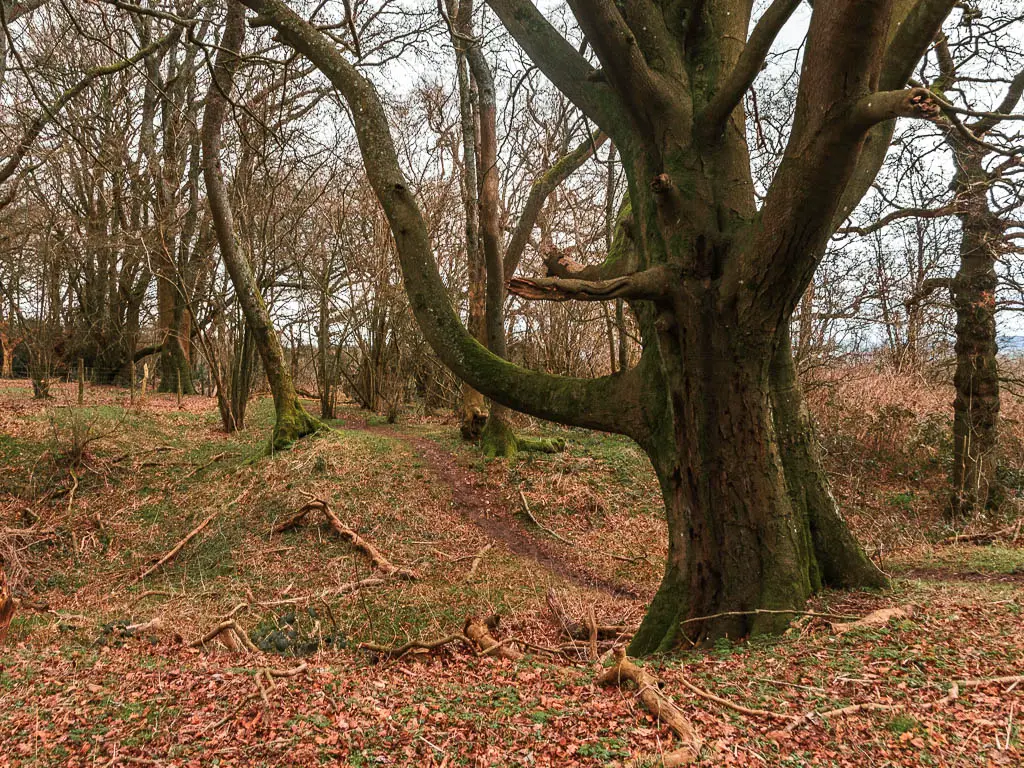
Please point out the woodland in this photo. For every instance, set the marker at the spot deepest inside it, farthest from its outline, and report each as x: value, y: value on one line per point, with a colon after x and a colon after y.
x: 511, y: 383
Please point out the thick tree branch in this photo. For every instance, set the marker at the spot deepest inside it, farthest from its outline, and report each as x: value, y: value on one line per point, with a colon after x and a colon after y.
x: 648, y: 285
x: 609, y: 403
x: 739, y: 80
x: 911, y: 31
x: 990, y: 120
x: 646, y: 92
x: 888, y: 105
x: 845, y: 44
x: 928, y: 287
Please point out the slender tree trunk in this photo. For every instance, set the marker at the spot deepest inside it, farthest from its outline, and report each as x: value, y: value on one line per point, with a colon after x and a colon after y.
x: 291, y: 420
x: 472, y: 411
x: 324, y: 356
x: 976, y: 380
x: 176, y: 328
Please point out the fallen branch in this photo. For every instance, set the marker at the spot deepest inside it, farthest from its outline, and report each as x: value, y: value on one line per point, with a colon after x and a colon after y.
x: 875, y: 619
x: 379, y: 561
x: 176, y: 549
x: 535, y: 521
x: 655, y: 702
x: 293, y: 672
x: 230, y: 634
x: 399, y: 651
x: 1012, y: 532
x: 580, y: 630
x: 841, y: 712
x: 772, y: 611
x: 952, y: 695
x: 734, y: 706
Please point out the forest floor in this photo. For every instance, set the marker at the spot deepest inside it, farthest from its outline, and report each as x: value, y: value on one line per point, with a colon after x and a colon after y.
x: 82, y: 684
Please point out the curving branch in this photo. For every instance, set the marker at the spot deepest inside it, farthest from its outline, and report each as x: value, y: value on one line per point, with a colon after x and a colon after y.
x: 739, y: 80
x: 824, y: 169
x: 903, y: 213
x: 648, y: 285
x: 990, y: 120
x: 609, y: 403
x: 911, y: 33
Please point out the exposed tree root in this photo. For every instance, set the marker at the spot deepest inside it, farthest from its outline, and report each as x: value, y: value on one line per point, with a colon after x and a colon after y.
x: 478, y: 631
x: 176, y: 549
x: 379, y: 561
x: 655, y: 702
x: 499, y: 441
x: 734, y: 706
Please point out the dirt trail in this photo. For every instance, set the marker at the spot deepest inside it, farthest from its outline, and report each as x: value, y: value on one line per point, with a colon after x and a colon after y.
x: 492, y: 513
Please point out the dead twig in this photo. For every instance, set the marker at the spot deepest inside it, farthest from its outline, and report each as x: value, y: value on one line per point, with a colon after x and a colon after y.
x: 176, y: 549
x: 535, y: 521
x: 1012, y: 532
x: 379, y: 561
x: 412, y: 646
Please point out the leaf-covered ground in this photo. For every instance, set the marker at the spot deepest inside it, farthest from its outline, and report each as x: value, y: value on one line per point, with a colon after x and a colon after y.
x: 78, y: 688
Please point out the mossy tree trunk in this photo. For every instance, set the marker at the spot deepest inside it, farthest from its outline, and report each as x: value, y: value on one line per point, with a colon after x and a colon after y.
x: 291, y: 420
x: 976, y: 379
x: 712, y: 277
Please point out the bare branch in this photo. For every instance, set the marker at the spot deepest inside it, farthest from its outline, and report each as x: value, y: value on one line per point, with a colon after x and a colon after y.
x: 541, y: 188
x: 903, y: 213
x: 560, y: 62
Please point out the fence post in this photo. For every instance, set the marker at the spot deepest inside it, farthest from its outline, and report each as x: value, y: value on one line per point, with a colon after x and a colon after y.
x: 81, y: 381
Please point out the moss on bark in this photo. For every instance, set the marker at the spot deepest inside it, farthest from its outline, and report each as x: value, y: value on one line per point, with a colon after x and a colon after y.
x: 293, y: 422
x: 499, y: 441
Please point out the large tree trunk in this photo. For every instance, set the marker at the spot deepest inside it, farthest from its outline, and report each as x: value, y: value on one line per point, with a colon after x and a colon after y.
x: 714, y: 277
x: 836, y: 558
x: 976, y: 405
x: 291, y: 420
x: 752, y: 523
x: 736, y: 542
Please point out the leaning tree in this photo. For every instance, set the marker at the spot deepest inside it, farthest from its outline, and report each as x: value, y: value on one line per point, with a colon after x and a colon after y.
x: 712, y: 274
